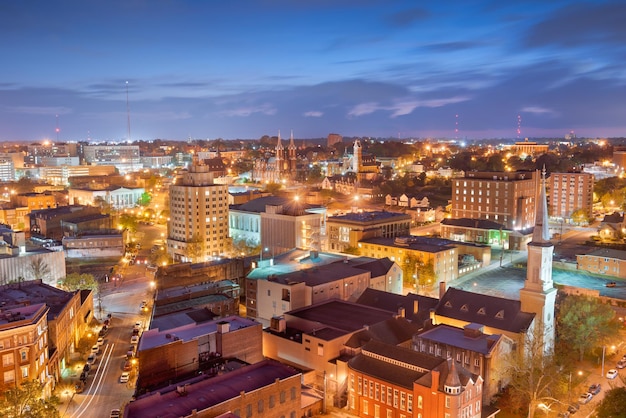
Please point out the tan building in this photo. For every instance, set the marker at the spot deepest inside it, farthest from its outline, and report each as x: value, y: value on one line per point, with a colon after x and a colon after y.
x: 198, y: 226
x: 24, y: 346
x: 346, y: 231
x: 570, y: 192
x: 15, y: 217
x: 604, y: 261
x: 507, y: 198
x: 35, y: 201
x: 443, y: 254
x: 69, y: 315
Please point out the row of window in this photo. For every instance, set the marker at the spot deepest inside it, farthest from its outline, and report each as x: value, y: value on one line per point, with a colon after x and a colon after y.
x: 271, y: 402
x: 383, y: 394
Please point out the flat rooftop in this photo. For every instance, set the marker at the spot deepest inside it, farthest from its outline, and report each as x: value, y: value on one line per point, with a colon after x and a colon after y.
x: 208, y: 392
x: 155, y: 337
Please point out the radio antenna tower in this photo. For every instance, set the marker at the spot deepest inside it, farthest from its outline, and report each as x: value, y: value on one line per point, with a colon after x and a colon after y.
x: 519, y: 126
x: 57, y: 128
x: 128, y: 111
x: 456, y: 126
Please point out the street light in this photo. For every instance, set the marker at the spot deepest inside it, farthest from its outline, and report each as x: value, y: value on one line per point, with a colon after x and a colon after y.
x: 603, y: 352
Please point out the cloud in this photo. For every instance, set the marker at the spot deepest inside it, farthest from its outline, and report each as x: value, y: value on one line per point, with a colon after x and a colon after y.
x: 34, y: 110
x: 265, y: 109
x: 313, y: 114
x: 537, y: 110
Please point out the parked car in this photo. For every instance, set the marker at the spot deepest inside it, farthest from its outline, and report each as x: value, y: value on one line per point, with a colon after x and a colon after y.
x: 91, y: 359
x: 100, y: 341
x: 573, y: 408
x: 124, y: 377
x: 127, y: 365
x: 134, y: 339
x: 83, y: 376
x: 86, y: 367
x: 115, y: 413
x: 611, y: 374
x: 95, y: 348
x: 138, y: 325
x: 595, y: 389
x: 611, y: 284
x: 585, y: 398
x: 79, y: 386
x: 621, y: 364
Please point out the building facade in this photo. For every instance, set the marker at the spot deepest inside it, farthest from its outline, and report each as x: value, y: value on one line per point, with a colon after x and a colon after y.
x: 570, y: 192
x: 198, y: 226
x: 507, y: 198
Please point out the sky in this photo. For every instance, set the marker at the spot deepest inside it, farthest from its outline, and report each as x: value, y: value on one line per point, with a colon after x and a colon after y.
x: 241, y: 69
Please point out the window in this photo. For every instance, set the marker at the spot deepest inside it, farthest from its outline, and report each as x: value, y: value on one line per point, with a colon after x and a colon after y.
x: 9, y: 376
x: 395, y: 398
x: 272, y: 400
x: 282, y: 396
x: 293, y: 393
x: 447, y: 402
x: 260, y: 406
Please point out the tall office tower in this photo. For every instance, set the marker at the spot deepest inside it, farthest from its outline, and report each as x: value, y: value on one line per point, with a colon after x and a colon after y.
x: 198, y: 225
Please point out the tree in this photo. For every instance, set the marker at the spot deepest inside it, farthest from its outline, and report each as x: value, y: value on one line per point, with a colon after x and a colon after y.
x: 613, y: 405
x: 27, y: 401
x: 127, y: 221
x: 535, y: 376
x: 584, y: 322
x: 145, y: 199
x: 105, y: 207
x: 76, y: 281
x: 580, y: 217
x: 195, y: 248
x: 273, y: 188
x: 39, y: 269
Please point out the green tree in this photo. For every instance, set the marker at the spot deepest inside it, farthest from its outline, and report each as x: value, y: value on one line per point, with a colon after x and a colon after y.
x: 584, y: 322
x: 77, y: 281
x: 273, y: 188
x: 425, y: 272
x: 39, y: 269
x: 127, y: 221
x: 26, y: 401
x: 145, y: 199
x: 613, y: 405
x: 105, y: 207
x: 580, y: 217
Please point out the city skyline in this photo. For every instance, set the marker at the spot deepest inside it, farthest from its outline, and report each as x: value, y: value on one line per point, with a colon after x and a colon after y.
x: 172, y: 70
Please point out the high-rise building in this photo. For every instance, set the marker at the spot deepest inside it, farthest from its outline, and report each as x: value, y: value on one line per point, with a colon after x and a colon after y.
x: 198, y: 226
x: 570, y: 192
x: 507, y: 198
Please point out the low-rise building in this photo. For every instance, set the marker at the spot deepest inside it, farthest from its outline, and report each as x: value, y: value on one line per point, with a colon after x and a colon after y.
x: 176, y: 351
x: 24, y: 346
x: 604, y: 261
x: 267, y: 388
x: 346, y: 231
x: 107, y: 243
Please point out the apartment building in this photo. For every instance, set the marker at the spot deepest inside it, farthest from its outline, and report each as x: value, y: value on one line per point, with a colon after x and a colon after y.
x: 570, y: 192
x: 198, y: 226
x: 603, y: 261
x: 24, y: 346
x: 507, y: 198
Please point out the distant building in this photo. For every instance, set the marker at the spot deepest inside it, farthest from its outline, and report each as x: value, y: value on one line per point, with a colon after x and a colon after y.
x: 117, y: 196
x: 125, y: 158
x: 62, y: 175
x: 198, y: 225
x: 34, y: 201
x: 191, y: 274
x: 526, y: 147
x: 479, y: 231
x: 95, y: 245
x: 47, y: 222
x: 279, y: 166
x: 570, y: 192
x: 507, y: 198
x: 333, y: 139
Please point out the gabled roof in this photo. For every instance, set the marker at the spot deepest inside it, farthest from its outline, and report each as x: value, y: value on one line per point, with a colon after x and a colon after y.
x: 491, y: 311
x: 393, y: 331
x: 614, y: 218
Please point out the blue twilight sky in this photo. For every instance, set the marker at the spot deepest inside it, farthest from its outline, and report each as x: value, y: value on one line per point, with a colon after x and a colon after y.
x: 247, y: 68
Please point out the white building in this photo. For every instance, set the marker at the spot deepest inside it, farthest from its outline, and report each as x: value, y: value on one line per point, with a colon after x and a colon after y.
x: 118, y: 197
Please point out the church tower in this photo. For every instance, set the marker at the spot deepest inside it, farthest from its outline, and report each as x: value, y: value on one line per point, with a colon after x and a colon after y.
x: 280, y: 158
x: 291, y: 151
x: 538, y: 294
x: 357, y: 157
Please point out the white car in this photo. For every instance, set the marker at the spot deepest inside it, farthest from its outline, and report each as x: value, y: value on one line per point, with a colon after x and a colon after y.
x: 100, y: 341
x: 137, y: 325
x: 134, y: 339
x: 124, y: 377
x: 585, y: 398
x: 611, y: 374
x: 95, y: 348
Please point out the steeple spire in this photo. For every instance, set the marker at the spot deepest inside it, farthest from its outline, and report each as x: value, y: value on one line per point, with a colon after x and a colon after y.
x: 541, y: 233
x: 279, y: 144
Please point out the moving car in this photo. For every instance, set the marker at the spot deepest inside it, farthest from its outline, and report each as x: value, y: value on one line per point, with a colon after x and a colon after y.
x: 585, y: 398
x: 124, y: 377
x: 611, y: 374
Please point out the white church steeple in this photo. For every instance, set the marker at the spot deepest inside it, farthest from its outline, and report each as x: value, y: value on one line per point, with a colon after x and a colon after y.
x: 538, y: 295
